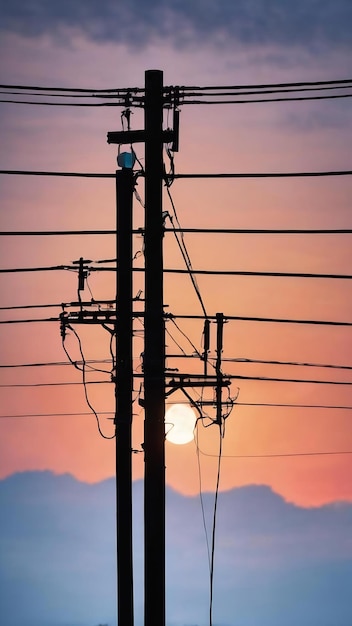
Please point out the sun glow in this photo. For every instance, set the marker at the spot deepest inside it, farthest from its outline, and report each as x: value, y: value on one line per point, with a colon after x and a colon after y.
x: 180, y: 421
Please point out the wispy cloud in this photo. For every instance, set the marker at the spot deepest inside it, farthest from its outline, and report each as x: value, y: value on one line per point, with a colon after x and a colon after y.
x: 312, y: 23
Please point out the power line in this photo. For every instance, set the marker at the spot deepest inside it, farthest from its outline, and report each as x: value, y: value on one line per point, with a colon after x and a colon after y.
x: 262, y: 231
x: 57, y: 233
x: 293, y: 406
x: 279, y: 455
x: 260, y: 100
x: 27, y: 415
x: 53, y: 268
x: 189, y: 377
x: 31, y: 320
x: 271, y: 320
x: 123, y: 91
x: 138, y: 101
x: 290, y: 363
x: 60, y: 384
x: 266, y: 174
x: 242, y: 404
x: 140, y: 90
x: 241, y: 360
x: 184, y: 252
x: 68, y: 104
x: 65, y: 174
x: 215, y: 231
x: 343, y: 81
x: 63, y: 305
x: 53, y: 363
x: 185, y: 176
x: 252, y: 91
x: 243, y: 318
x: 250, y: 273
x: 290, y: 380
x: 15, y: 270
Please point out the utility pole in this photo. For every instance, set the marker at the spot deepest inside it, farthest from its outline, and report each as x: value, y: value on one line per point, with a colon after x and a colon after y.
x: 154, y: 359
x: 153, y: 137
x: 154, y: 353
x: 123, y: 396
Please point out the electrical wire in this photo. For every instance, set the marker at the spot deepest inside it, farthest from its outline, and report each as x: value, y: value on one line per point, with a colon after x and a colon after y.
x: 212, y: 554
x: 175, y: 342
x: 186, y: 337
x: 266, y: 174
x: 57, y: 174
x: 66, y: 104
x: 264, y: 362
x: 59, y: 384
x: 123, y: 92
x: 53, y: 268
x: 184, y: 176
x: 294, y: 406
x: 53, y: 364
x: 261, y: 100
x: 84, y: 379
x: 290, y: 363
x: 201, y: 494
x: 236, y: 91
x: 243, y: 318
x: 271, y: 320
x: 263, y: 231
x: 242, y: 404
x: 250, y: 273
x: 184, y: 252
x: 290, y: 380
x: 229, y: 377
x: 78, y: 414
x: 56, y: 233
x: 220, y: 231
x: 279, y: 455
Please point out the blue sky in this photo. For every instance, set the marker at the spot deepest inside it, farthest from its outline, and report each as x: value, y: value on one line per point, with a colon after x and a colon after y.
x: 275, y: 562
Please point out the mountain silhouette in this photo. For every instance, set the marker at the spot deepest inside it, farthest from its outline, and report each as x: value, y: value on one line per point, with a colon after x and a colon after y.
x: 275, y: 563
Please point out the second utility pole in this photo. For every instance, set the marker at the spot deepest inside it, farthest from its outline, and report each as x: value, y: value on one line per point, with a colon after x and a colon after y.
x: 154, y: 358
x: 123, y: 391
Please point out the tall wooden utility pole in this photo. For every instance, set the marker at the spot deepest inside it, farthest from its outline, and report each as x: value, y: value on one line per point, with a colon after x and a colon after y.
x: 123, y: 396
x: 154, y: 367
x: 153, y: 137
x: 154, y: 358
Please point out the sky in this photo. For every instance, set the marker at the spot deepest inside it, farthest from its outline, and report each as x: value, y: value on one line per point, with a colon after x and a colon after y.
x: 284, y: 564
x: 302, y: 454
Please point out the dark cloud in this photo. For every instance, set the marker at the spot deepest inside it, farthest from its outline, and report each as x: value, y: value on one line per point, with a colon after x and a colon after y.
x: 308, y: 23
x: 275, y: 563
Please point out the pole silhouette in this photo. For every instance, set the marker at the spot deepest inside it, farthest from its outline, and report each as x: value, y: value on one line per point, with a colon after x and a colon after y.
x: 154, y: 359
x: 123, y: 397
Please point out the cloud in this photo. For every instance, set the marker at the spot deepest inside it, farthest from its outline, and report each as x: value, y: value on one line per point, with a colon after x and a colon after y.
x: 275, y: 562
x: 307, y: 23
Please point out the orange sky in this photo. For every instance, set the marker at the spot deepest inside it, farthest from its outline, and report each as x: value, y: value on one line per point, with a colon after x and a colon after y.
x: 254, y: 138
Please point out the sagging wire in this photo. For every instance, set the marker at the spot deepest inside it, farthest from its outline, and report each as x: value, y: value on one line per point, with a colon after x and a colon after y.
x: 211, y: 550
x: 83, y: 370
x: 212, y: 553
x: 183, y: 249
x: 196, y: 441
x: 175, y: 341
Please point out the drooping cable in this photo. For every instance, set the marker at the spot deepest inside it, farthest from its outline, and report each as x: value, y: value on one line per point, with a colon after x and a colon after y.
x: 196, y: 441
x: 212, y: 555
x: 182, y: 246
x: 84, y: 380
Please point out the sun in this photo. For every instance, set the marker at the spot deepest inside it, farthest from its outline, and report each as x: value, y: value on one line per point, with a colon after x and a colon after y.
x: 180, y: 421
